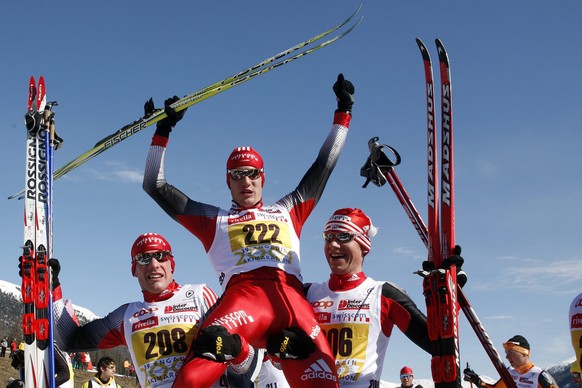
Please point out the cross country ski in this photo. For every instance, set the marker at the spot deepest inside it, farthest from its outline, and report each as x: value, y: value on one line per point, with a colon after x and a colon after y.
x: 242, y: 76
x: 442, y: 294
x: 37, y: 247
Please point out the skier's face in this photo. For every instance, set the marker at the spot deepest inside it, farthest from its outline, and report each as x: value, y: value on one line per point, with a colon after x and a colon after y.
x: 516, y: 359
x: 154, y: 277
x: 246, y: 191
x: 406, y: 380
x: 343, y: 257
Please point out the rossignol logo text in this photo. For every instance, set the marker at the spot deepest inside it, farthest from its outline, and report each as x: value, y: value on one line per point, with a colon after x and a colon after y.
x: 37, y: 173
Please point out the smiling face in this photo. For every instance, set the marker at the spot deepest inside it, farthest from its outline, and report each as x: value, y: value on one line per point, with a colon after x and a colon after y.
x: 154, y: 277
x: 246, y: 192
x: 343, y: 257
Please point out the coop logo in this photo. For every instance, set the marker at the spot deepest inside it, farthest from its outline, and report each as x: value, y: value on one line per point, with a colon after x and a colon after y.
x: 323, y: 304
x: 180, y: 308
x: 145, y: 324
x: 143, y: 312
x: 353, y: 305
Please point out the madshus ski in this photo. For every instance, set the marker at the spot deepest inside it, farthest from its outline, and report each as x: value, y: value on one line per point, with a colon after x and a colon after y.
x: 242, y: 76
x: 442, y: 295
x: 37, y: 248
x: 440, y: 285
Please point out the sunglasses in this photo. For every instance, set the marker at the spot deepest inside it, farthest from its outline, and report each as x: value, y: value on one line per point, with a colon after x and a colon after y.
x: 146, y: 258
x: 240, y: 174
x: 405, y: 376
x: 341, y: 237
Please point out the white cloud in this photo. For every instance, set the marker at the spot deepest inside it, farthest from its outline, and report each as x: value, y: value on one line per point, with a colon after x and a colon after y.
x: 487, y: 168
x: 559, y: 277
x: 116, y: 172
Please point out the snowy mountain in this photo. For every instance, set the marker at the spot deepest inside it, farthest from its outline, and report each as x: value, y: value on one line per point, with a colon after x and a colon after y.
x: 10, y: 294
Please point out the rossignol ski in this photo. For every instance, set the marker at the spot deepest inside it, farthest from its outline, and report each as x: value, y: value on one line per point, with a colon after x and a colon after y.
x: 37, y: 248
x: 379, y: 169
x: 254, y: 71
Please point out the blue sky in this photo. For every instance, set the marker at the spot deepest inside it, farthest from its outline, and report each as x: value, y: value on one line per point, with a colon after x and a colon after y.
x: 516, y: 71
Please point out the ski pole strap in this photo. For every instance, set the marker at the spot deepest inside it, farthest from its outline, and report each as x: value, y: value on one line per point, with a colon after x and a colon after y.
x: 378, y: 165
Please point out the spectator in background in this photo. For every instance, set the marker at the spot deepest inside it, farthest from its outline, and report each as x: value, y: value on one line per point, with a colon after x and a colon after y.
x: 126, y: 364
x: 575, y: 322
x: 407, y: 378
x: 13, y: 347
x: 105, y: 375
x: 3, y: 346
x: 517, y: 352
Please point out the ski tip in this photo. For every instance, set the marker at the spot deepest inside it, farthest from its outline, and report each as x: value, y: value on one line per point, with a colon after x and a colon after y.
x: 423, y: 50
x: 443, y: 57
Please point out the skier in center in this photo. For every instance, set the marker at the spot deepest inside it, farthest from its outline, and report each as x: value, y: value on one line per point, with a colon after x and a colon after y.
x: 254, y: 249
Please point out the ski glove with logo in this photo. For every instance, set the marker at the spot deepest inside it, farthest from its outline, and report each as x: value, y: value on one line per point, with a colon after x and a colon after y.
x: 344, y: 92
x: 217, y: 344
x: 291, y: 344
x: 471, y: 376
x: 164, y: 126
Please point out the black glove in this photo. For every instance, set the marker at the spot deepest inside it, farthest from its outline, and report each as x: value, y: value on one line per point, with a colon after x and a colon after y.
x: 55, y: 271
x: 217, y: 344
x: 471, y: 376
x: 344, y: 92
x: 457, y: 260
x: 164, y: 127
x: 33, y: 120
x: 291, y: 344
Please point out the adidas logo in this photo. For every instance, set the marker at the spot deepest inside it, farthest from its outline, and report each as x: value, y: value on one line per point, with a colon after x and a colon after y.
x: 319, y: 370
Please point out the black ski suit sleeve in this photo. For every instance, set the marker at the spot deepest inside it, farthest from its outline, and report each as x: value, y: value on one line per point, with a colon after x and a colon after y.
x: 416, y: 328
x: 62, y: 371
x: 546, y: 380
